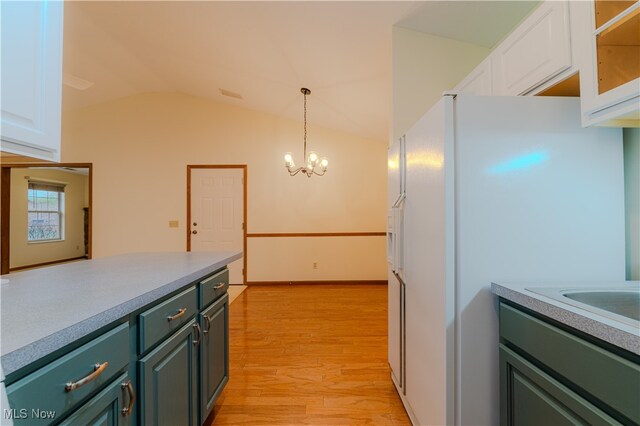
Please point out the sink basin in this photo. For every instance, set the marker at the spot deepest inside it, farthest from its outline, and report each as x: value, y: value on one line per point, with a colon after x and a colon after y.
x: 621, y: 304
x: 625, y: 303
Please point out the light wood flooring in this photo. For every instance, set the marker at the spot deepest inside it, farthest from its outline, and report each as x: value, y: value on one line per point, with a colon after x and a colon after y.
x: 309, y: 354
x: 234, y: 291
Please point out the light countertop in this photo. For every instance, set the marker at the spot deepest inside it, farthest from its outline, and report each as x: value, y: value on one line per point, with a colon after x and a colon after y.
x: 618, y: 333
x: 43, y: 310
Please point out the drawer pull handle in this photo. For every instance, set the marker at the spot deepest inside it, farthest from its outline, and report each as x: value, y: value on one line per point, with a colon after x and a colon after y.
x: 128, y: 386
x: 196, y: 341
x: 98, y: 369
x: 219, y: 286
x: 180, y: 313
x: 207, y: 323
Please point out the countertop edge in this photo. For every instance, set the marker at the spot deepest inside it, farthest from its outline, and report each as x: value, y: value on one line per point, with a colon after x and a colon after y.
x: 19, y: 358
x: 584, y: 323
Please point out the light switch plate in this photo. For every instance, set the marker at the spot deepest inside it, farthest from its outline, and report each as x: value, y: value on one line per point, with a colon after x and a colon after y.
x: 173, y: 224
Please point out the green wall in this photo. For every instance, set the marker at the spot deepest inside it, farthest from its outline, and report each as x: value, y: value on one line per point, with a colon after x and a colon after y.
x: 632, y: 200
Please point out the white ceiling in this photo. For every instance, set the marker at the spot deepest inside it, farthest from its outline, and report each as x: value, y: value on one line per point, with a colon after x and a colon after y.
x: 265, y: 51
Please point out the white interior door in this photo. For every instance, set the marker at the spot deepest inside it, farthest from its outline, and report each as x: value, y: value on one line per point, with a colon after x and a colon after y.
x: 217, y: 214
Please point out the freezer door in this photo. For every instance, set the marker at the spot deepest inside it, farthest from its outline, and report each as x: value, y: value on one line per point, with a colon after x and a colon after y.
x: 397, y: 165
x: 424, y: 268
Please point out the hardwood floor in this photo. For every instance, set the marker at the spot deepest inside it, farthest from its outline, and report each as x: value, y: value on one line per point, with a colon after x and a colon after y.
x: 309, y: 354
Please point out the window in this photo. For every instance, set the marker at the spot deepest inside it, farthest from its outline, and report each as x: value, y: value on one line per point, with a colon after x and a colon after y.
x: 46, y: 206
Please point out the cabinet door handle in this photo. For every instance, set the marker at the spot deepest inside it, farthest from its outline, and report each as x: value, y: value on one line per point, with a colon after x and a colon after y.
x: 180, y: 313
x: 207, y: 323
x: 98, y: 369
x: 128, y: 387
x: 219, y: 286
x: 196, y: 341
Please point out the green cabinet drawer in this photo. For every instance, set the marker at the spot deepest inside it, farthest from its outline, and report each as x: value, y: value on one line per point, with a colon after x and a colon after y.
x: 111, y: 407
x: 213, y: 287
x: 47, y: 390
x: 165, y: 318
x: 609, y: 378
x: 528, y: 396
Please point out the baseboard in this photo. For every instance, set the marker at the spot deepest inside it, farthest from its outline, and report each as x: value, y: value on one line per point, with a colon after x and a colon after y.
x: 340, y: 282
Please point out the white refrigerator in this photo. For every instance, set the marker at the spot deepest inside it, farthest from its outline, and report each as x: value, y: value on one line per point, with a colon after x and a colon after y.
x: 495, y: 189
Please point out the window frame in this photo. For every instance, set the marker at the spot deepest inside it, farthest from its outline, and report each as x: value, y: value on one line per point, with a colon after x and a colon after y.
x: 53, y: 187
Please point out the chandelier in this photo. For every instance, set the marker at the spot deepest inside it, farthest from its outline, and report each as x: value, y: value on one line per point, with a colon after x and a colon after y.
x: 314, y: 164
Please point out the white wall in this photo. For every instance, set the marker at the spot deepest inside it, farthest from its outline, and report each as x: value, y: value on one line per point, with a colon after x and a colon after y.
x: 23, y: 253
x: 140, y: 146
x: 338, y: 258
x: 424, y: 66
x: 632, y: 200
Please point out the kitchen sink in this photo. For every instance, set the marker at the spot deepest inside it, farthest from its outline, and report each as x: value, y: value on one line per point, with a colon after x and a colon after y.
x: 625, y: 303
x: 621, y: 303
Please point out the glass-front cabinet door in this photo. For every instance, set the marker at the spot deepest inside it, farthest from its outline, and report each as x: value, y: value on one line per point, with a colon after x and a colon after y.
x: 611, y: 91
x: 617, y: 43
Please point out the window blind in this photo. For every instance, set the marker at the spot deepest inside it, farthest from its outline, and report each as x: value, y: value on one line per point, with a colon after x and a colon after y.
x: 46, y: 186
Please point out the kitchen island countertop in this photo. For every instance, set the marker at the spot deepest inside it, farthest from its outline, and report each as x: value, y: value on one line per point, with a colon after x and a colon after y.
x: 42, y: 310
x: 620, y: 334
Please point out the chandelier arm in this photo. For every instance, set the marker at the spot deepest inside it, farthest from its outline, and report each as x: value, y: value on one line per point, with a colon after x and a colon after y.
x: 295, y: 172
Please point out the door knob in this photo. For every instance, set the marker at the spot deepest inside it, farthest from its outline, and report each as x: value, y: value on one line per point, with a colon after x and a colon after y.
x: 195, y: 224
x: 194, y: 232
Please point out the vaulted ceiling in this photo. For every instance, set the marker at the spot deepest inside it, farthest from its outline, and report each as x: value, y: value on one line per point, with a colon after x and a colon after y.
x: 263, y: 51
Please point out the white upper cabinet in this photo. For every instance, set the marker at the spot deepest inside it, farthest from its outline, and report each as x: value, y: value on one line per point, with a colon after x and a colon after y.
x: 610, y: 68
x: 31, y: 78
x: 478, y: 82
x: 538, y: 50
x: 600, y: 39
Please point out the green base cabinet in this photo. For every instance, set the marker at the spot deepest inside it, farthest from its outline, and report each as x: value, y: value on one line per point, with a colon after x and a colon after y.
x: 165, y: 364
x: 168, y: 380
x: 551, y: 376
x: 111, y: 407
x: 532, y: 397
x: 214, y: 354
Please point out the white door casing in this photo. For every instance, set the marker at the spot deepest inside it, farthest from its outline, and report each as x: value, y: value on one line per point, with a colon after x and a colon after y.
x: 217, y: 214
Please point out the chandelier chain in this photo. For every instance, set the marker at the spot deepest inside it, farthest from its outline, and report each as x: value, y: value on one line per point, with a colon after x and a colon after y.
x: 304, y: 155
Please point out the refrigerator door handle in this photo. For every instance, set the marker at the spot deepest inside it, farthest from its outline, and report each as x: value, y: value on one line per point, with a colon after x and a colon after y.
x: 397, y: 201
x: 403, y: 165
x: 398, y: 237
x: 390, y: 236
x: 394, y: 246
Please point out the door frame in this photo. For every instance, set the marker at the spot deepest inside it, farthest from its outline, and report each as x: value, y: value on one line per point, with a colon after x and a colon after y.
x: 5, y: 213
x: 244, y: 207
